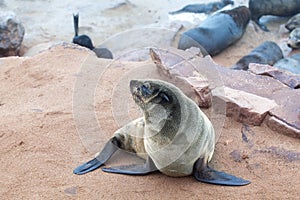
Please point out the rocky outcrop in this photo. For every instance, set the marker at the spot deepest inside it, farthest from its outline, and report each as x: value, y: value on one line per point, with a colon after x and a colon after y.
x: 249, y: 98
x: 11, y: 34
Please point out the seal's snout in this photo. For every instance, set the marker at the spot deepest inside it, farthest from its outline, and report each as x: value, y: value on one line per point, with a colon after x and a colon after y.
x: 293, y: 44
x: 133, y: 85
x: 135, y: 90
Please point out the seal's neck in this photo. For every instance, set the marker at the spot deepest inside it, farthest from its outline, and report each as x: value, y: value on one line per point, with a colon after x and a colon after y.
x: 161, y: 122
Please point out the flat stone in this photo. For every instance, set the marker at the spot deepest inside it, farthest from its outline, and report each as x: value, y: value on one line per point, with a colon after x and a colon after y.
x: 244, y: 107
x: 281, y: 126
x: 291, y: 80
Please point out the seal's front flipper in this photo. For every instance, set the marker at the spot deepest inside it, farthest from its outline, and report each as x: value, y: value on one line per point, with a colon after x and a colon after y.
x: 205, y: 174
x: 108, y: 150
x: 263, y: 27
x: 144, y: 169
x: 88, y: 167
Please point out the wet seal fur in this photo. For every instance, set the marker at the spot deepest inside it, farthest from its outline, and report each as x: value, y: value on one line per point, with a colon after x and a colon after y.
x: 218, y: 31
x: 174, y: 137
x: 266, y: 53
x: 85, y: 41
x: 282, y: 8
x: 203, y: 8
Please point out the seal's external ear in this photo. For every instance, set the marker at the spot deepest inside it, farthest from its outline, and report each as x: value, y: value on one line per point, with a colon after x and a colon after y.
x: 164, y: 96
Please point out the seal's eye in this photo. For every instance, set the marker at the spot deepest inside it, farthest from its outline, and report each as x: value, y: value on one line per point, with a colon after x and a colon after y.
x: 164, y: 96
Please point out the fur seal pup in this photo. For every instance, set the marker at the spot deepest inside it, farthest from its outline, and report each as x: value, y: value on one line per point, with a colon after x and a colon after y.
x: 266, y: 53
x: 174, y: 137
x: 85, y: 41
x: 203, y: 8
x: 218, y: 31
x: 293, y: 22
x: 294, y: 39
x: 282, y: 8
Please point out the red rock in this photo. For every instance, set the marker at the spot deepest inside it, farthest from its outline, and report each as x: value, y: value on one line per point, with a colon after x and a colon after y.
x: 244, y: 107
x: 291, y: 80
x: 279, y: 125
x: 250, y: 98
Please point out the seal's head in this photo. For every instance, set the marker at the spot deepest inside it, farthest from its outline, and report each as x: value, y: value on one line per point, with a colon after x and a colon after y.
x: 294, y: 39
x: 293, y: 23
x: 146, y: 93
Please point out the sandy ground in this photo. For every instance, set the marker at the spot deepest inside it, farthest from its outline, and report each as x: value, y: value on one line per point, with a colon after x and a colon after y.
x: 43, y: 136
x: 47, y: 130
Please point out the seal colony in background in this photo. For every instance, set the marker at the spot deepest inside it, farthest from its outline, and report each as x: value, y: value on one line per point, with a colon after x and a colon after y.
x: 282, y: 8
x: 174, y: 137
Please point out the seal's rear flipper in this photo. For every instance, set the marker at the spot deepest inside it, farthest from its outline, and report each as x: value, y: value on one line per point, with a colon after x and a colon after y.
x: 261, y: 25
x: 205, y: 174
x: 108, y: 150
x: 144, y: 169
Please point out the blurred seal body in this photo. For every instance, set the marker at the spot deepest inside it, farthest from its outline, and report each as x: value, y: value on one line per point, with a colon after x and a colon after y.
x: 294, y: 39
x: 266, y: 53
x: 174, y: 137
x: 218, y: 31
x: 291, y: 64
x: 283, y: 8
x: 204, y: 8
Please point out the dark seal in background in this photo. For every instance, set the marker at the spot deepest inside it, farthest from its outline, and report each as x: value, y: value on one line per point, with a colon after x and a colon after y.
x: 266, y: 53
x: 218, y: 31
